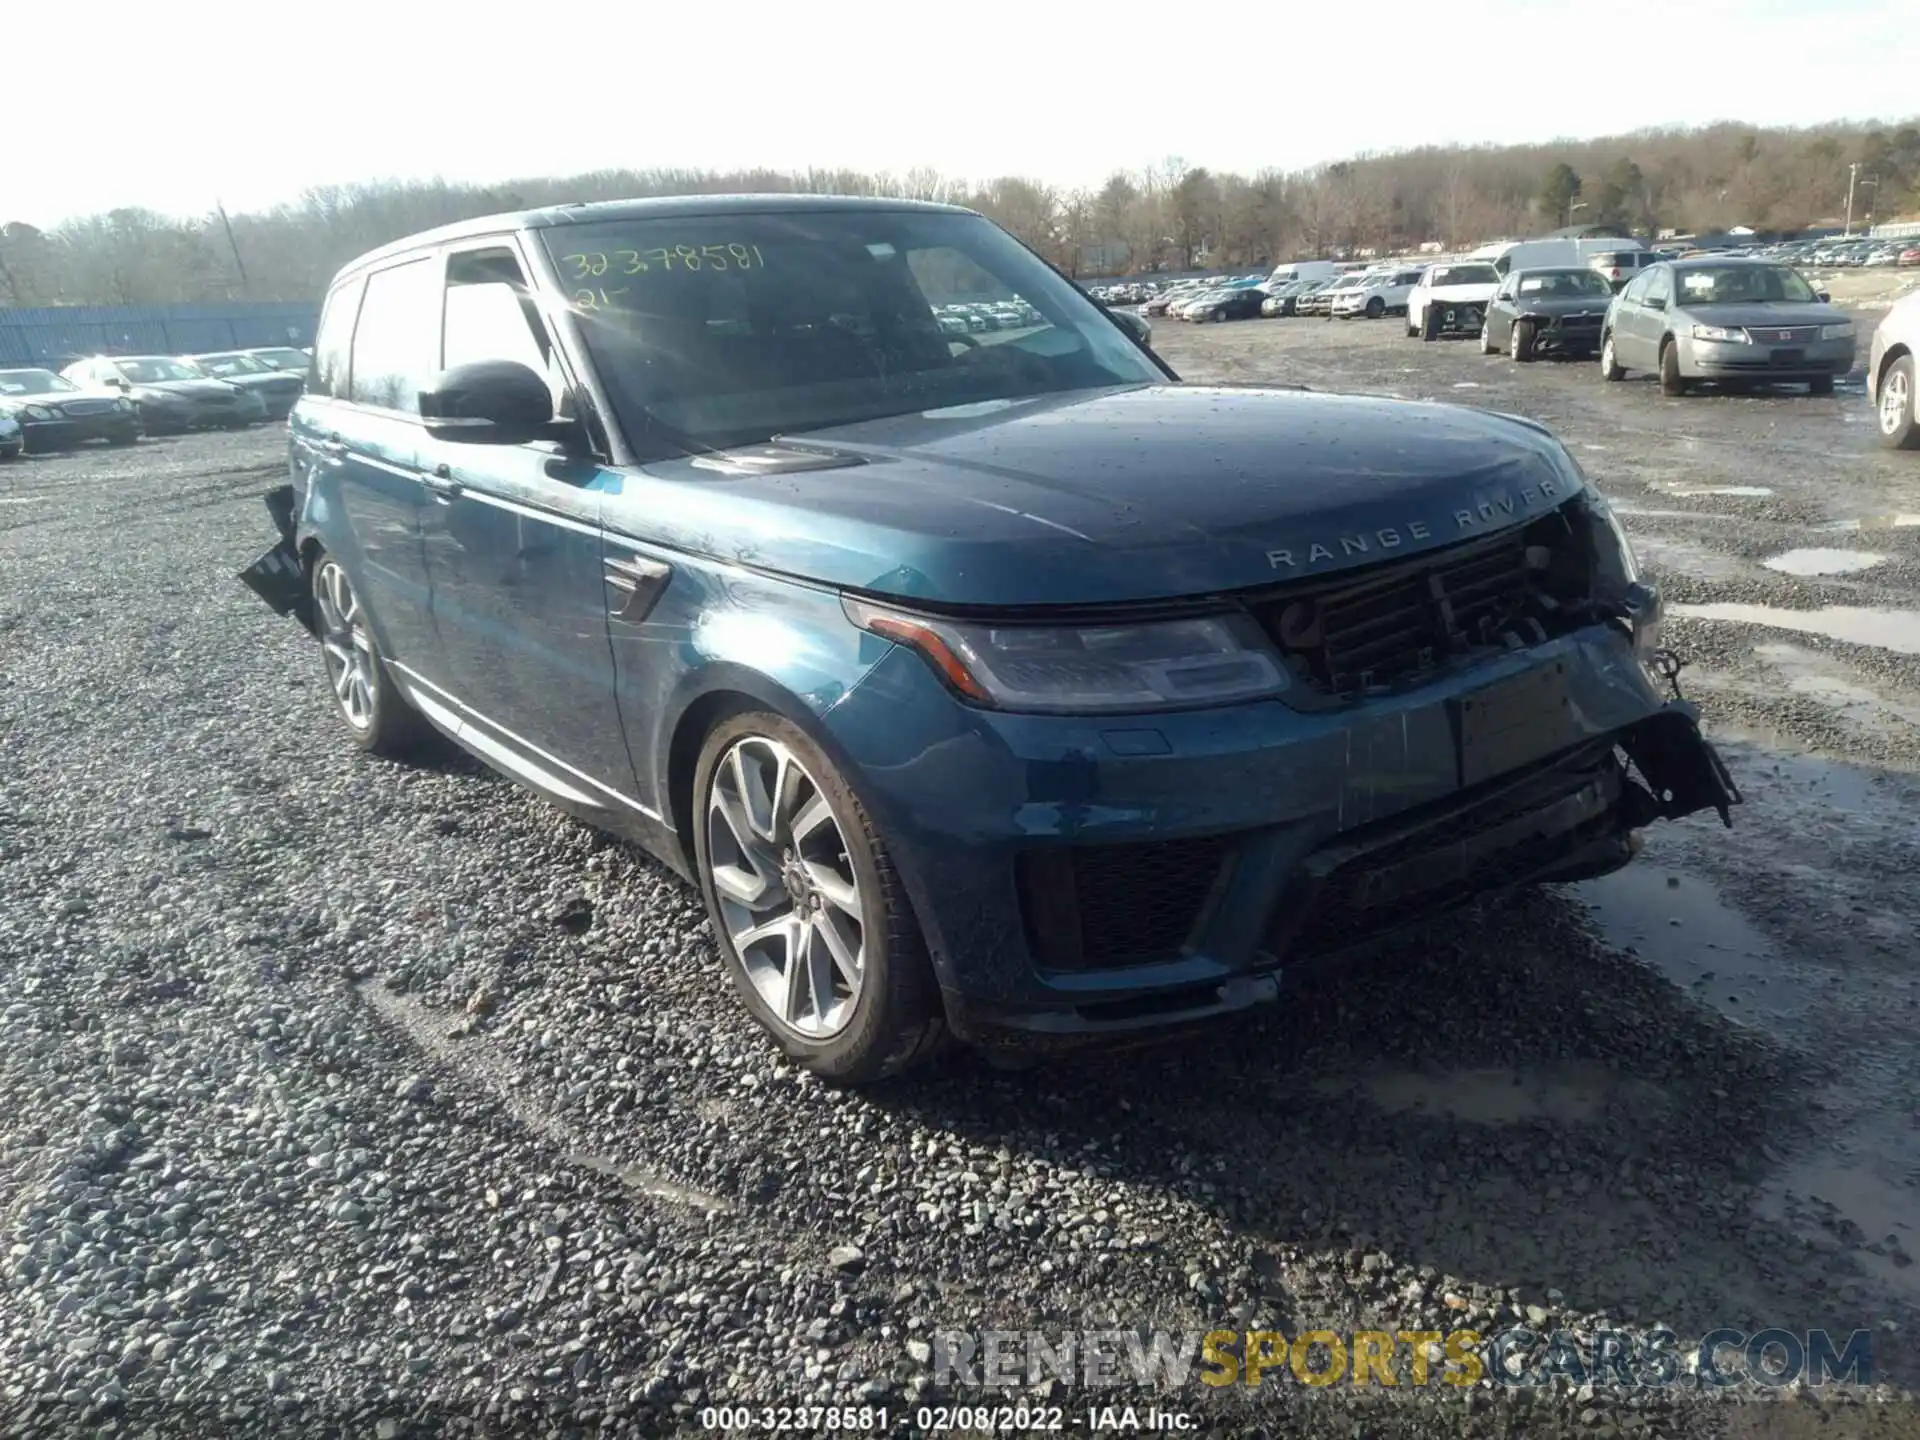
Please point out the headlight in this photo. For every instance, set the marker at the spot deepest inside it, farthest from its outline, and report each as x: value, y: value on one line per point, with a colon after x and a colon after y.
x: 1616, y: 574
x: 37, y: 412
x: 123, y: 403
x: 1726, y: 334
x: 1157, y: 665
x: 1842, y: 331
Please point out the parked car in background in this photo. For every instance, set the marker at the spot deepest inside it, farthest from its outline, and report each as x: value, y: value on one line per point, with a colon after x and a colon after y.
x: 283, y: 357
x: 277, y: 388
x: 1890, y: 374
x: 53, y: 412
x: 1910, y: 255
x: 170, y: 394
x: 1459, y: 290
x: 1227, y: 609
x: 1617, y: 267
x: 1381, y: 294
x: 1239, y: 302
x: 1560, y: 310
x: 1285, y: 299
x: 1320, y: 301
x: 1726, y: 319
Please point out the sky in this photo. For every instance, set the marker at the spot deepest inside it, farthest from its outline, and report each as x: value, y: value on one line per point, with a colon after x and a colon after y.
x: 248, y: 106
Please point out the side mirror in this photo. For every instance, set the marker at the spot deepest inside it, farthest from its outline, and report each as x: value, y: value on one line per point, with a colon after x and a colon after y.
x: 1826, y: 297
x: 487, y: 402
x: 1656, y: 303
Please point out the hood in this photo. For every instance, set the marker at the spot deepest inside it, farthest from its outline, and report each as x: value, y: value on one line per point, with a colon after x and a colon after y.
x: 1563, y: 304
x: 1103, y: 497
x: 1475, y: 290
x: 278, y: 382
x: 1766, y: 313
x: 187, y: 389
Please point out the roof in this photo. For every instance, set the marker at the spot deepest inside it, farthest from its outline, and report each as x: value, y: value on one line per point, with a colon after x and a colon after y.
x: 655, y: 208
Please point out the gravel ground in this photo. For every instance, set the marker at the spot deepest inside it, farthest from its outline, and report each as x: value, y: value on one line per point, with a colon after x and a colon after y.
x: 343, y: 1097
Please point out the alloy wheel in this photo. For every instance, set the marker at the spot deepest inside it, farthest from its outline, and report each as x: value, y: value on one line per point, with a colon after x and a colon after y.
x: 1895, y: 399
x: 787, y: 891
x: 346, y: 644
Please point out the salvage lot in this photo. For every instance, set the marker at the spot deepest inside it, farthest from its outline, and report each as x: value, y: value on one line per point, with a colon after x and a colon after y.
x: 340, y: 1092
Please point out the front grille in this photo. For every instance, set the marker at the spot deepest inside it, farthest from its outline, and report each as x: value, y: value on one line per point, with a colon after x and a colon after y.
x: 1783, y: 334
x: 1092, y: 907
x: 1359, y: 890
x: 1581, y: 322
x: 1395, y: 622
x: 87, y: 407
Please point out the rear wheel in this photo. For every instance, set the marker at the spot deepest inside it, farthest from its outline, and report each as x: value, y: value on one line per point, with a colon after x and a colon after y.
x: 1672, y: 382
x: 377, y: 715
x: 1521, y: 342
x: 1610, y: 366
x: 1899, y: 428
x: 810, y: 919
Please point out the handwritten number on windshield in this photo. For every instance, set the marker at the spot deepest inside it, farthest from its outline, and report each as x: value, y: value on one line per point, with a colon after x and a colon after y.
x: 675, y: 259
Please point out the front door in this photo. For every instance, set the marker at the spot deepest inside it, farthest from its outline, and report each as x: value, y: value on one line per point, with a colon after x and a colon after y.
x: 519, y: 594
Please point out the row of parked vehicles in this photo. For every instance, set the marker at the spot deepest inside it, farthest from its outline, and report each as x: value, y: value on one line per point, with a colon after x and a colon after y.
x: 119, y: 398
x: 1736, y: 316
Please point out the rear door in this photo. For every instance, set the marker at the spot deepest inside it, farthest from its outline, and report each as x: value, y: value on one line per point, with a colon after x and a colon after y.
x: 367, y: 447
x: 520, y: 589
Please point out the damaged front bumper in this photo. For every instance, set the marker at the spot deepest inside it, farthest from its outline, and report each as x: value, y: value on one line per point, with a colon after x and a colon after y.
x: 1080, y: 878
x: 279, y: 577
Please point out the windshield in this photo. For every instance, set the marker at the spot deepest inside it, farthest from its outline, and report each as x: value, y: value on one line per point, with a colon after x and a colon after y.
x: 1465, y: 275
x: 728, y: 329
x: 1564, y: 282
x: 32, y: 382
x: 150, y: 371
x: 1742, y: 285
x: 225, y: 365
x: 288, y: 359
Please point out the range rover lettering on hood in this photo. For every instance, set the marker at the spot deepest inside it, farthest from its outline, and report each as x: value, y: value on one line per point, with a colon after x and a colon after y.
x: 1482, y: 514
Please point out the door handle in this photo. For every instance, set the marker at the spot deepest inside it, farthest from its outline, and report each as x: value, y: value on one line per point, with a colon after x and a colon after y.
x: 333, y: 445
x: 440, y: 483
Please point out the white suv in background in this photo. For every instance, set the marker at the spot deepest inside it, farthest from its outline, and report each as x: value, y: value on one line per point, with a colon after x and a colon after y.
x: 1383, y: 294
x: 1452, y: 282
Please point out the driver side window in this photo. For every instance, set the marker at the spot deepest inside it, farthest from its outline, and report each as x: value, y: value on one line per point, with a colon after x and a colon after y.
x: 1659, y: 288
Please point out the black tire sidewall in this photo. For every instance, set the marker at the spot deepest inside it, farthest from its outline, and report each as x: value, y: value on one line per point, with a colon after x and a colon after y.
x: 895, y: 982
x: 1520, y: 341
x: 1672, y: 382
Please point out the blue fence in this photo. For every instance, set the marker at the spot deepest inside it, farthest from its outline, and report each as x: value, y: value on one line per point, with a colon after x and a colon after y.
x: 59, y: 334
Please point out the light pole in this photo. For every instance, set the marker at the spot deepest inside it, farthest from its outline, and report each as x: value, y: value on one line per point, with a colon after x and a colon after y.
x: 1853, y: 174
x: 1573, y: 206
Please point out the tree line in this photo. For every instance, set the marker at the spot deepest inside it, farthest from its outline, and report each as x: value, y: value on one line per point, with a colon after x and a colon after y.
x: 1169, y: 215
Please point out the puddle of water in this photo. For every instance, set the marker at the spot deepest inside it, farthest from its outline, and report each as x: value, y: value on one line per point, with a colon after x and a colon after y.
x: 1679, y: 925
x: 1855, y: 1195
x: 1572, y: 1095
x: 1687, y: 557
x: 20, y: 499
x: 1811, y: 674
x: 1750, y: 492
x: 1895, y: 630
x: 1814, y: 561
x: 1639, y: 514
x: 1870, y: 522
x: 1466, y: 384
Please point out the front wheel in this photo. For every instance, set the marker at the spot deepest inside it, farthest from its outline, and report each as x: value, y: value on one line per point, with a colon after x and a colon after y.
x: 1610, y: 366
x: 1219, y: 316
x: 1487, y: 347
x: 1899, y: 428
x: 1376, y: 307
x: 811, y: 921
x: 1521, y: 341
x: 376, y: 714
x: 1672, y: 382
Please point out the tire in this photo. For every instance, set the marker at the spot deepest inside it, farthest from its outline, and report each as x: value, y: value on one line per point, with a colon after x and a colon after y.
x: 1672, y: 382
x: 1487, y: 347
x: 1520, y: 342
x: 123, y: 437
x: 1820, y: 385
x: 1898, y: 427
x: 11, y: 452
x: 1376, y: 307
x: 757, y: 764
x: 375, y: 713
x: 1218, y: 317
x: 1429, y: 325
x: 1610, y: 368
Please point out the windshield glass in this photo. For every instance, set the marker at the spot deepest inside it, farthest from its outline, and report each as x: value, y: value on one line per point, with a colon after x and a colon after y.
x: 1465, y: 275
x: 728, y: 329
x: 288, y: 359
x: 1742, y: 285
x: 32, y: 382
x: 150, y: 371
x: 1564, y: 282
x: 224, y: 365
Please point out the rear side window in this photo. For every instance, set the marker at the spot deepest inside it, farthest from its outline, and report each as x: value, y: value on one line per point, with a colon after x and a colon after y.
x: 333, y: 341
x: 396, y: 345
